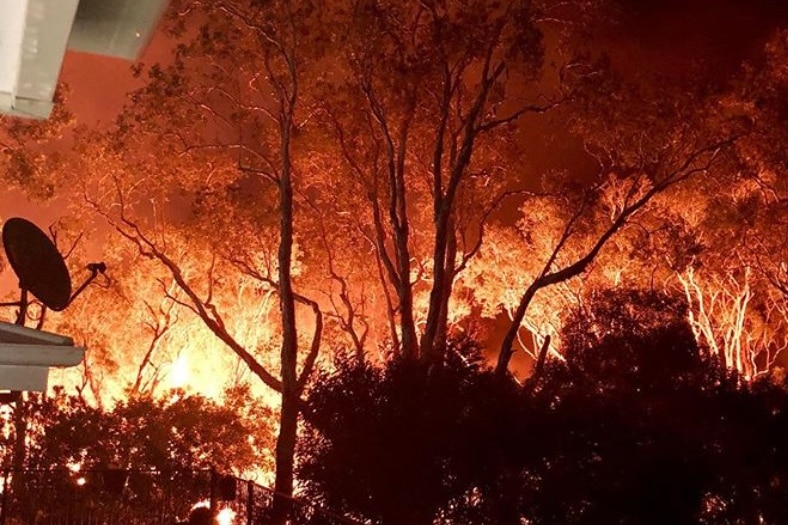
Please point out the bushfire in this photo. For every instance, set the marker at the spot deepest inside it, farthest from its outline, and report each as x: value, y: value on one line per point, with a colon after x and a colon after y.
x: 301, y: 195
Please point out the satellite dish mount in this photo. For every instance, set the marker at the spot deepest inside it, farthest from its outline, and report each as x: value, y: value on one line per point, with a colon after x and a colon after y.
x: 40, y: 268
x: 26, y: 355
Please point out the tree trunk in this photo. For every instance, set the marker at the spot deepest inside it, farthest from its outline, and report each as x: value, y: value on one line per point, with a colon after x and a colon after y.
x: 288, y: 421
x: 410, y: 343
x: 508, y: 341
x: 441, y: 336
x: 409, y: 339
x: 285, y: 458
x: 438, y: 295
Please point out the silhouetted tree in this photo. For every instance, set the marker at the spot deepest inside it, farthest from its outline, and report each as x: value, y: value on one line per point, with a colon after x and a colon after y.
x: 405, y: 443
x: 144, y: 449
x: 649, y: 427
x: 639, y: 425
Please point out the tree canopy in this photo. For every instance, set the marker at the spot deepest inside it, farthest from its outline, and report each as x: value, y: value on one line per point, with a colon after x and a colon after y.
x: 638, y: 425
x: 301, y: 178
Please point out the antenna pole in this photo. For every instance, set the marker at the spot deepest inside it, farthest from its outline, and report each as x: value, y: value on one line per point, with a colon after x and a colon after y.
x: 20, y: 419
x: 22, y: 316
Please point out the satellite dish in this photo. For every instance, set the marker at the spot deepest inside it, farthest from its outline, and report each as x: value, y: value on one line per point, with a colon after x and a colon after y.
x: 36, y: 261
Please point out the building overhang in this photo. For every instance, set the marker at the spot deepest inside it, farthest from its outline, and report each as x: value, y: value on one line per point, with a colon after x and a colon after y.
x: 26, y: 355
x: 34, y: 35
x: 117, y: 28
x: 33, y: 39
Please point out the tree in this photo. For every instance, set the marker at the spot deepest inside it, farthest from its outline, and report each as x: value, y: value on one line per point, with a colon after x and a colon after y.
x: 26, y: 158
x: 650, y: 423
x: 360, y: 186
x: 707, y: 238
x: 146, y: 450
x: 284, y: 42
x: 181, y: 432
x: 639, y: 424
x: 428, y: 94
x: 634, y: 171
x: 410, y: 442
x: 258, y: 120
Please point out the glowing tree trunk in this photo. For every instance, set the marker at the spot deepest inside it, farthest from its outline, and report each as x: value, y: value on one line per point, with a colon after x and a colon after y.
x: 721, y: 317
x: 291, y: 393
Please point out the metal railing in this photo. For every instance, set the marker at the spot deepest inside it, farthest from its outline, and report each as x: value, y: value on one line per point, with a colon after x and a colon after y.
x: 142, y: 497
x: 109, y: 496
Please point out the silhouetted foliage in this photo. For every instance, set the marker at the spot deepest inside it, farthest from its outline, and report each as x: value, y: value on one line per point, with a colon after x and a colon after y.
x: 650, y: 429
x: 628, y: 402
x: 403, y: 443
x: 638, y: 426
x: 183, y: 432
x: 633, y: 342
x: 144, y: 452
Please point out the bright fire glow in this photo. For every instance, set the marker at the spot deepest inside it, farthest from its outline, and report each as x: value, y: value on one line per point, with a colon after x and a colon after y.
x: 81, y: 481
x: 179, y: 373
x: 200, y: 504
x: 226, y: 516
x: 5, y: 421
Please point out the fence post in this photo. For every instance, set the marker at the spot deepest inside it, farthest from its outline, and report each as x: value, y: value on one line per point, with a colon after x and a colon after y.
x: 212, y: 501
x: 5, y: 497
x: 249, y: 502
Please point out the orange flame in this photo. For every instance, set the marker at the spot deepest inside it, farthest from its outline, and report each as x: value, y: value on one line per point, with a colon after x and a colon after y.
x: 179, y: 372
x: 225, y: 516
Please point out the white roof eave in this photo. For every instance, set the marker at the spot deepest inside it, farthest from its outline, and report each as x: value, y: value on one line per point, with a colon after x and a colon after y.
x: 26, y: 355
x: 33, y: 37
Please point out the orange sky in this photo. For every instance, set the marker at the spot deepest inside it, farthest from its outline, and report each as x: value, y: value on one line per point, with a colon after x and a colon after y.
x: 99, y: 84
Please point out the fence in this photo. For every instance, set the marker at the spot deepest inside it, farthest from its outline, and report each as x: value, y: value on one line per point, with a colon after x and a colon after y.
x: 138, y: 497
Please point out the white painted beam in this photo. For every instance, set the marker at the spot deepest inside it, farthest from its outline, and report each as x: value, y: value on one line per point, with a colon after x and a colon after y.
x: 13, y: 333
x: 35, y: 33
x: 29, y: 378
x: 26, y: 355
x: 12, y: 29
x: 40, y: 355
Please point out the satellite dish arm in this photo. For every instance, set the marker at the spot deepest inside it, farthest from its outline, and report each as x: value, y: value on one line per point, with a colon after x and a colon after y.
x: 22, y: 304
x: 22, y: 314
x: 95, y: 269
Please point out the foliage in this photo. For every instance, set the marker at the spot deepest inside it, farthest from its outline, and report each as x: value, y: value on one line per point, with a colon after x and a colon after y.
x: 147, y: 452
x: 27, y: 161
x: 653, y: 427
x: 401, y: 443
x: 638, y: 426
x: 181, y: 432
x: 366, y: 184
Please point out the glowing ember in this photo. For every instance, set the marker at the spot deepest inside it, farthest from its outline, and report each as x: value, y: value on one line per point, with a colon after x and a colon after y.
x: 81, y: 481
x: 226, y: 516
x: 74, y: 467
x: 201, y: 504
